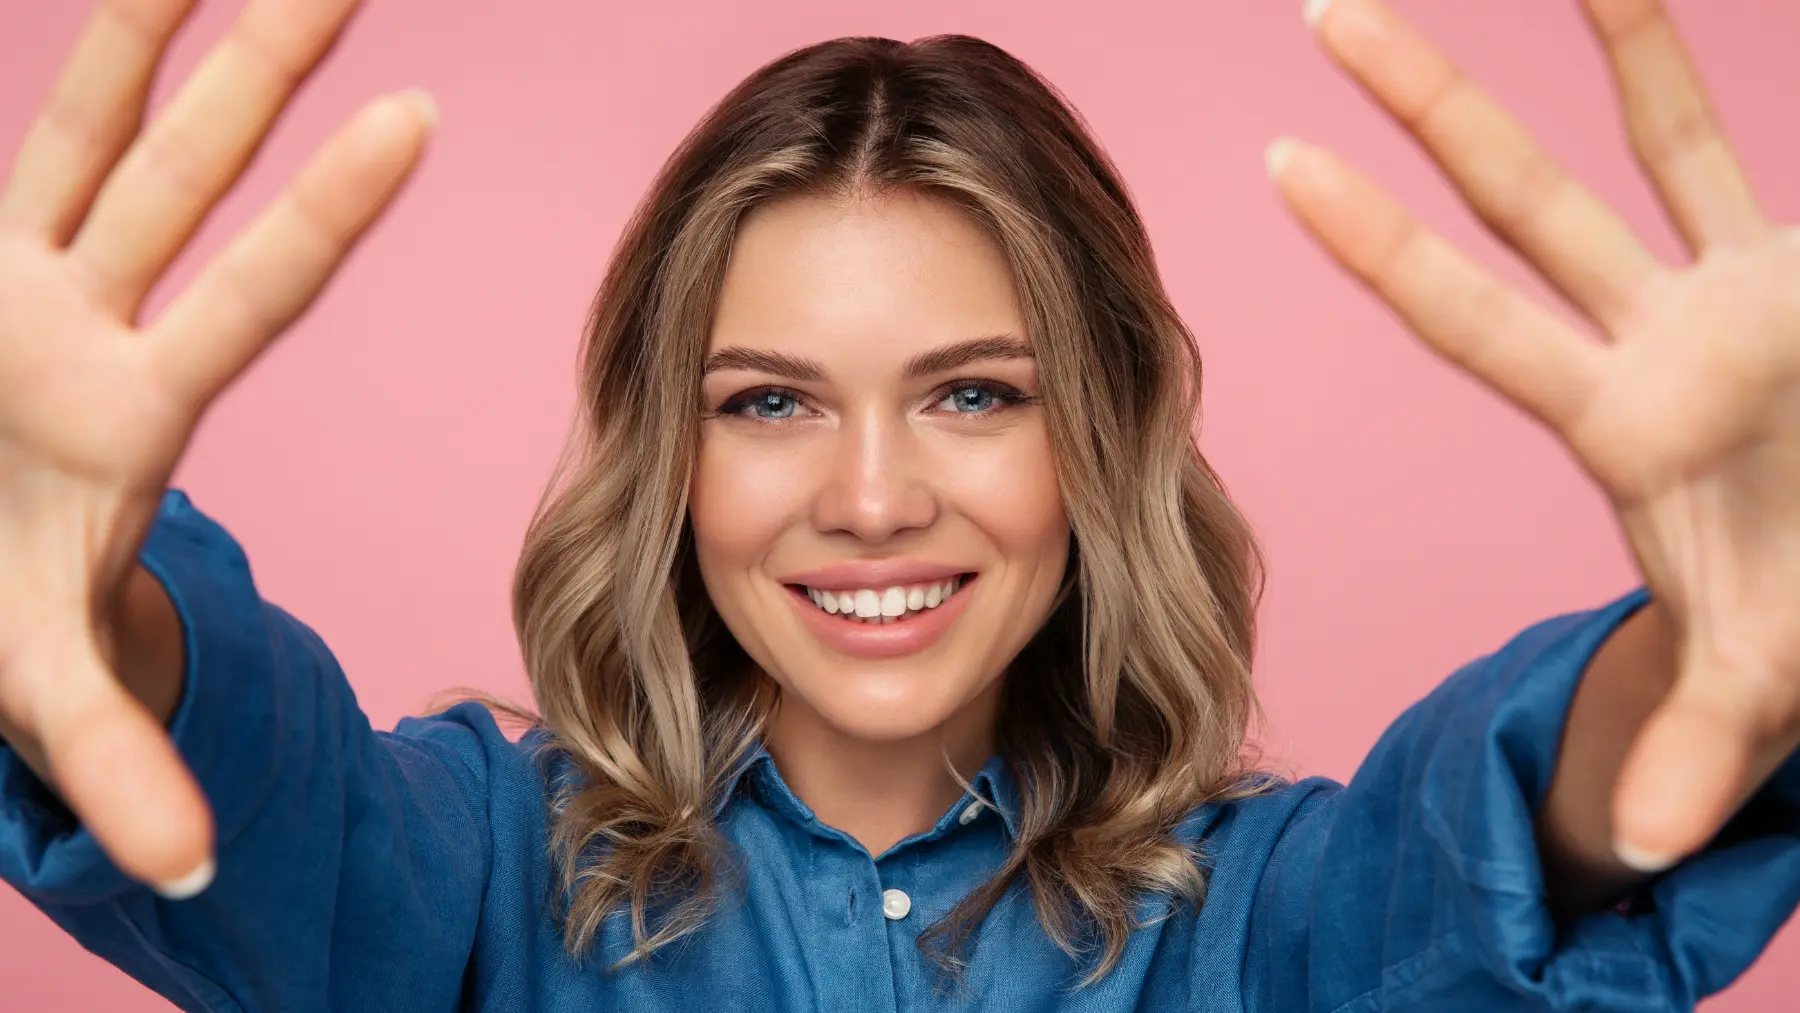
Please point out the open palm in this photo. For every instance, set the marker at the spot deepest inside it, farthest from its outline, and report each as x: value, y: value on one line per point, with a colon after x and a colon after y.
x: 1687, y: 413
x: 95, y: 410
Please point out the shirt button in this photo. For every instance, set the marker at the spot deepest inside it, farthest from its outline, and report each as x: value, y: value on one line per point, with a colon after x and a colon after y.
x: 895, y: 904
x: 968, y: 815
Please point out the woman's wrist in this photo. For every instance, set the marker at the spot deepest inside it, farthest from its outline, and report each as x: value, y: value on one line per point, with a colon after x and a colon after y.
x: 143, y: 643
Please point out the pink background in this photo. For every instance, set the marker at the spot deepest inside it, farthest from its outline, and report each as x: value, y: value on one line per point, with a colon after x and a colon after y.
x: 381, y: 463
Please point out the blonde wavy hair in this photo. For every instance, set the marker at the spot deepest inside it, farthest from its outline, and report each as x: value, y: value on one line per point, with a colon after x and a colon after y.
x: 1138, y: 698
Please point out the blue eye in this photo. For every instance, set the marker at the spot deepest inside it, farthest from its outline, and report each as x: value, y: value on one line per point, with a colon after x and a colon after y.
x: 768, y: 404
x: 971, y: 398
x: 772, y: 404
x: 980, y: 397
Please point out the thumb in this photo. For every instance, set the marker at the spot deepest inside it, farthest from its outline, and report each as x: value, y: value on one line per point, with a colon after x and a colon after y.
x: 1690, y: 768
x: 118, y: 771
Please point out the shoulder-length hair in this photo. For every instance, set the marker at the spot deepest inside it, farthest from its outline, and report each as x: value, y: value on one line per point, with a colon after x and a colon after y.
x: 1130, y: 707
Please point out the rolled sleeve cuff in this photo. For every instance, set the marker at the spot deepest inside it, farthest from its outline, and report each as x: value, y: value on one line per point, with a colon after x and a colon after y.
x: 1687, y: 934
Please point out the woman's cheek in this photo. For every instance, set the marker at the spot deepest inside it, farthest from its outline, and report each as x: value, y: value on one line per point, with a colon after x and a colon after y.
x: 746, y: 493
x: 1007, y: 484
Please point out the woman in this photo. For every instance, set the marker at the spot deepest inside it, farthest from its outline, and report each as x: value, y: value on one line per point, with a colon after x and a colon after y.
x: 890, y: 635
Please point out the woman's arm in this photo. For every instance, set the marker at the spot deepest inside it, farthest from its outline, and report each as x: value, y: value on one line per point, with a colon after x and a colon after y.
x: 352, y: 864
x: 1628, y: 677
x: 1421, y: 884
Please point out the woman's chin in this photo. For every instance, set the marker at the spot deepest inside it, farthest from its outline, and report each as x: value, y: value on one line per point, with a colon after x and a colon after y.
x: 887, y: 722
x: 881, y: 715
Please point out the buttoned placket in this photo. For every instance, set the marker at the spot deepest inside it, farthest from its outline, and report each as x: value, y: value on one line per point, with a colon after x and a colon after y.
x: 865, y: 908
x: 845, y: 894
x: 849, y: 944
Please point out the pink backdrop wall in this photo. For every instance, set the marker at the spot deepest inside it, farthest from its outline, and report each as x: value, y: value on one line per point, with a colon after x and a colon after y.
x: 381, y: 463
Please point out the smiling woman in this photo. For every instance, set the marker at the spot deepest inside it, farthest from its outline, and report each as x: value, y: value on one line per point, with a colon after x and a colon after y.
x: 900, y: 399
x: 888, y: 632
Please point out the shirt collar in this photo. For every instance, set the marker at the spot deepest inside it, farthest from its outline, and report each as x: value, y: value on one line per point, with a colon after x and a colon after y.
x: 993, y: 783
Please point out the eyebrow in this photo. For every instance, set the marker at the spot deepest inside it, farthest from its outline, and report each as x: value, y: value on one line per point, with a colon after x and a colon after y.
x: 938, y: 360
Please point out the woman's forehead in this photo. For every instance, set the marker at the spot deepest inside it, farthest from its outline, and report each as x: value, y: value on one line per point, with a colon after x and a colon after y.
x: 891, y: 276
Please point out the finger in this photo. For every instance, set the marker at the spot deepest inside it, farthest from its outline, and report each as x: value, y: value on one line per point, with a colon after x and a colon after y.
x: 117, y: 769
x: 1576, y: 242
x: 1692, y: 766
x: 268, y: 275
x: 1673, y: 131
x: 93, y: 112
x: 1456, y: 307
x: 199, y: 145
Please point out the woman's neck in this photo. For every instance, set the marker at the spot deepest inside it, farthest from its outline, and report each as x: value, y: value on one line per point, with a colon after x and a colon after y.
x: 878, y: 792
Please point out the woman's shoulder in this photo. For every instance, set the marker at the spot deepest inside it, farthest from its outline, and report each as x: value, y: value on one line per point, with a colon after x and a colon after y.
x: 498, y: 758
x: 1249, y: 820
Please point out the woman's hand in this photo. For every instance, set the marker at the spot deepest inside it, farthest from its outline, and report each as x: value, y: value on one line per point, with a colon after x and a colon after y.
x: 1687, y: 414
x: 1689, y: 411
x: 95, y: 409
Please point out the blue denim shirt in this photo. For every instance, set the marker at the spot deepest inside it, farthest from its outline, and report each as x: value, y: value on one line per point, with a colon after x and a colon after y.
x: 408, y: 870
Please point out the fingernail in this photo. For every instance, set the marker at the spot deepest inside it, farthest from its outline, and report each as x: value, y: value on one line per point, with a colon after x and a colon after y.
x: 1276, y: 156
x: 1315, y: 9
x: 190, y: 884
x: 1647, y: 862
x: 427, y: 105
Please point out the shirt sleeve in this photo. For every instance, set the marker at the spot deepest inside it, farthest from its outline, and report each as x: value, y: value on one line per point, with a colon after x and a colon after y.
x: 351, y: 862
x: 1418, y: 885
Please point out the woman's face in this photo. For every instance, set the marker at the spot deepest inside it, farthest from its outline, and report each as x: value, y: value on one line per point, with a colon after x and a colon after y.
x: 875, y: 507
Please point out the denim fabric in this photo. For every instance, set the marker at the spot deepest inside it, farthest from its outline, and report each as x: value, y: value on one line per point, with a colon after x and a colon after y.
x: 407, y: 870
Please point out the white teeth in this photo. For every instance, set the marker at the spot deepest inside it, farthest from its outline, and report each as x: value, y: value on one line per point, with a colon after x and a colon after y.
x: 893, y: 601
x: 885, y: 606
x: 868, y: 604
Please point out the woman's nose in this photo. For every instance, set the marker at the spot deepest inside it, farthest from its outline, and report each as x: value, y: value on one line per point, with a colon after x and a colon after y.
x: 875, y: 486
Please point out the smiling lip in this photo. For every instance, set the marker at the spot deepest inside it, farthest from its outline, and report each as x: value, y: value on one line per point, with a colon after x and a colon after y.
x: 876, y: 575
x: 875, y: 641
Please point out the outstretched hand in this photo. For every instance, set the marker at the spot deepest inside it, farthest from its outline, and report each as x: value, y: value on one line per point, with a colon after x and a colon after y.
x: 95, y: 410
x: 1687, y: 413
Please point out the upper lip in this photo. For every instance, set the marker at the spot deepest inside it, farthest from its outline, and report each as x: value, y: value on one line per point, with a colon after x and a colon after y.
x: 876, y: 574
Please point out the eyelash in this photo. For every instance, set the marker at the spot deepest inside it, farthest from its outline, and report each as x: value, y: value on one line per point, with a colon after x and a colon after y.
x: 1003, y: 394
